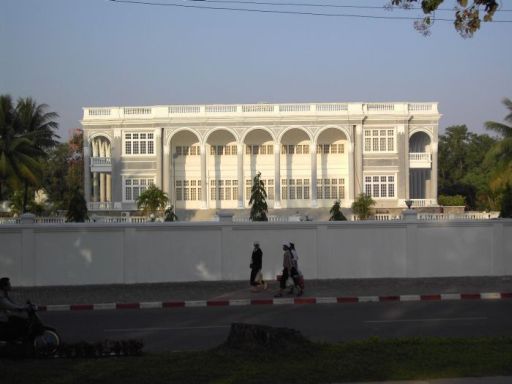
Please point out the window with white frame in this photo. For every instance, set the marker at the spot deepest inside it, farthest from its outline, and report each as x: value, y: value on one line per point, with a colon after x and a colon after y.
x: 265, y: 149
x: 331, y: 188
x: 134, y: 186
x: 295, y: 189
x: 223, y: 189
x: 223, y: 150
x: 291, y: 149
x: 380, y: 186
x: 188, y: 150
x: 269, y: 188
x: 188, y: 190
x: 325, y: 149
x: 379, y: 140
x: 139, y: 143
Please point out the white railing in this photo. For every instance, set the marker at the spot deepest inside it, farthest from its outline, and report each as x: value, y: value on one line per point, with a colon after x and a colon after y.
x: 466, y: 216
x: 251, y: 108
x: 420, y: 156
x: 99, y: 111
x: 458, y: 216
x: 10, y: 220
x: 100, y: 206
x: 381, y: 107
x: 101, y: 161
x: 294, y: 107
x: 332, y: 107
x: 50, y: 220
x: 421, y: 107
x: 137, y: 111
x: 220, y: 108
x: 179, y: 109
x: 190, y: 111
x: 418, y: 203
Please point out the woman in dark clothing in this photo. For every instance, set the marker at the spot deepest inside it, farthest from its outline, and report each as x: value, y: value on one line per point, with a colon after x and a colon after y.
x: 256, y: 265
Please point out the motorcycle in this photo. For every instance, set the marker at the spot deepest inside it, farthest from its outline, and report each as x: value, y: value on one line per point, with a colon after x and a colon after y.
x: 36, y: 340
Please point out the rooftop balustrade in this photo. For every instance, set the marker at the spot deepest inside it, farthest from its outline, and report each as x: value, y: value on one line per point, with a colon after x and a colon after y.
x: 259, y: 109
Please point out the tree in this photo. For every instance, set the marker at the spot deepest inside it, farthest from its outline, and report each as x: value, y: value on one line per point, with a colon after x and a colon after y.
x: 506, y: 202
x: 500, y: 154
x: 462, y: 170
x: 19, y: 156
x: 39, y: 127
x: 362, y: 206
x: 258, y: 201
x: 467, y: 14
x: 77, y: 209
x: 152, y: 200
x: 336, y: 214
x: 64, y: 170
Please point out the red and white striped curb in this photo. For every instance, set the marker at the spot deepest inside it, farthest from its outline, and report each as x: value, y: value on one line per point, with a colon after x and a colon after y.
x: 279, y: 301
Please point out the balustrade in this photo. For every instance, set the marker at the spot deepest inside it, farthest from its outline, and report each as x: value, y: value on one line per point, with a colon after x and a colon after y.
x: 306, y: 108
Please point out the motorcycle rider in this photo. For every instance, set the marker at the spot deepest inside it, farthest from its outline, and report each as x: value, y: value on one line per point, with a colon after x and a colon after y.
x: 13, y: 317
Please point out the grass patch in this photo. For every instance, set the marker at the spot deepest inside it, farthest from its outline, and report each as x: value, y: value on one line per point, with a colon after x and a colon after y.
x: 372, y: 359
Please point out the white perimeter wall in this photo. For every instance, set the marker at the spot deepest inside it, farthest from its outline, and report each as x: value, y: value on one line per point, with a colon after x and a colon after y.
x: 74, y: 254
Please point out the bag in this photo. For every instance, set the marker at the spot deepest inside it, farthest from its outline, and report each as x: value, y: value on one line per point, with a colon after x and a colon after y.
x: 259, y: 278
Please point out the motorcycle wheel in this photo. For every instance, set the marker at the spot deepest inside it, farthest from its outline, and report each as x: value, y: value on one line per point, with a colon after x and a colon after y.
x: 46, y: 343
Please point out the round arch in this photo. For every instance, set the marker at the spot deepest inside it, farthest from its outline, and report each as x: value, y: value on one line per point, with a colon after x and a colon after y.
x: 99, y: 134
x: 292, y: 127
x: 221, y: 128
x: 182, y: 129
x: 255, y: 128
x: 344, y: 130
x: 422, y: 130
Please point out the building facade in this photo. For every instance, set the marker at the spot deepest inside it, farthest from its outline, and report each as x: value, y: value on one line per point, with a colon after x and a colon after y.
x: 309, y: 154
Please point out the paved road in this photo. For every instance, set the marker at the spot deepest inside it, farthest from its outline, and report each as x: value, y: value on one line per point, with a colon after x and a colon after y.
x: 199, y: 328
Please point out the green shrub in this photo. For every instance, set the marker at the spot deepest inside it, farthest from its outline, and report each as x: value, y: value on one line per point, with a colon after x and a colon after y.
x: 451, y: 201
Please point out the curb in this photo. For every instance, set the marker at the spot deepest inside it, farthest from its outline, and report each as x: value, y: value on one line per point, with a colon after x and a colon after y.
x: 278, y: 301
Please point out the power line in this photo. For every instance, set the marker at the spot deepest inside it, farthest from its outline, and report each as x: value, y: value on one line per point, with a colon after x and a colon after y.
x: 149, y: 3
x: 323, y: 5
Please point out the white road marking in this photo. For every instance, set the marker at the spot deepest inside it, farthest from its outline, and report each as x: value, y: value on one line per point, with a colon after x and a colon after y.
x: 426, y: 320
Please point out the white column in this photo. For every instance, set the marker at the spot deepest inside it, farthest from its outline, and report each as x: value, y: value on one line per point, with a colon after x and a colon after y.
x: 87, y: 171
x: 108, y: 181
x: 95, y: 186
x: 204, y: 191
x: 433, y: 173
x: 240, y: 155
x: 358, y: 160
x: 166, y: 187
x: 277, y: 175
x: 102, y: 187
x: 312, y: 150
x: 158, y: 156
x: 350, y: 197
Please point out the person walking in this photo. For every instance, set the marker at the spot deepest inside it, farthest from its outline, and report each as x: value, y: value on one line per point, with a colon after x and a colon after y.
x: 287, y: 266
x: 256, y: 279
x: 296, y: 275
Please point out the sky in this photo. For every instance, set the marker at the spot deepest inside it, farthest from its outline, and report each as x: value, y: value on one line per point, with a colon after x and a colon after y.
x: 72, y: 54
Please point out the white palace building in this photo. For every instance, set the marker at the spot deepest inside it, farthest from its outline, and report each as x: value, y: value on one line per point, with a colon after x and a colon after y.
x: 309, y: 154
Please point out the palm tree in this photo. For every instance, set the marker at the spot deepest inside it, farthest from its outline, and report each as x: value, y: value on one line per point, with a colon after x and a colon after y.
x: 39, y: 127
x: 152, y: 200
x: 500, y: 155
x: 258, y: 201
x: 18, y: 155
x: 362, y: 206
